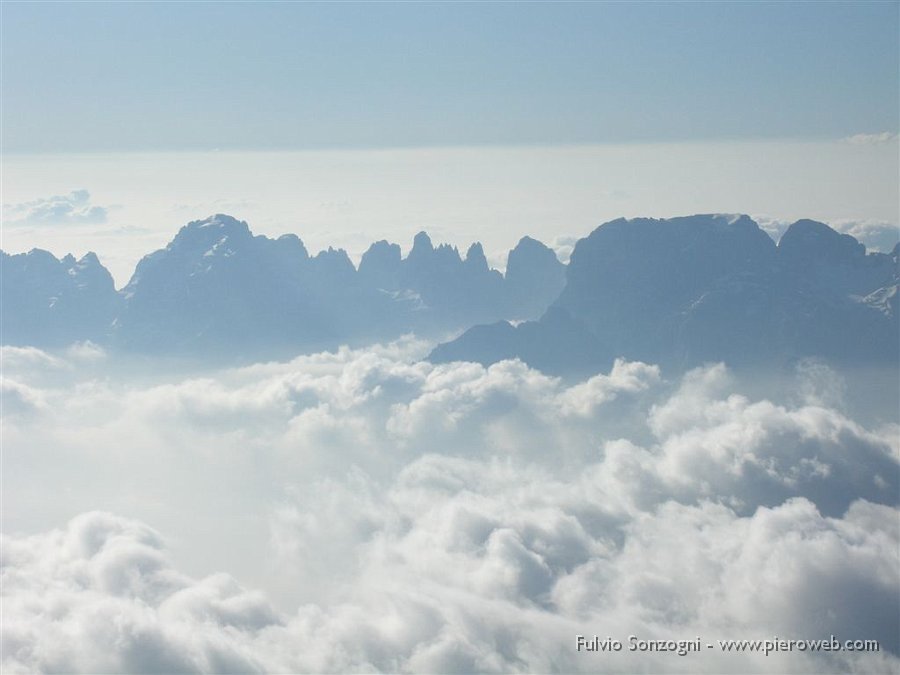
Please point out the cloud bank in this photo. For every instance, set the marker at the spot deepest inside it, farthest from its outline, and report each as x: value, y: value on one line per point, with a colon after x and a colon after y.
x: 74, y: 208
x: 404, y: 516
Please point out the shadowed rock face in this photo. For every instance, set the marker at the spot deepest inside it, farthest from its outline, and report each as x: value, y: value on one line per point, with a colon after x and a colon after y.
x: 458, y: 291
x: 631, y: 282
x: 449, y: 286
x: 534, y: 277
x: 685, y: 291
x: 217, y: 290
x: 216, y: 286
x: 54, y: 302
x: 380, y: 265
x: 817, y: 258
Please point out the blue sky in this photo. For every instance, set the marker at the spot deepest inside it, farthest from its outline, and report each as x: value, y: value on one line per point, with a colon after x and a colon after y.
x: 200, y: 76
x: 347, y: 123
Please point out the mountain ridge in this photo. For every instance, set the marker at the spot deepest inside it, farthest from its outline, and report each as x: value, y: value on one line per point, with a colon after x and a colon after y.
x: 685, y: 291
x: 679, y: 292
x: 216, y: 288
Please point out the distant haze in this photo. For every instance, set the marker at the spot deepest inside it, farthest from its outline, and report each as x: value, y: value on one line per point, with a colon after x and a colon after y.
x: 349, y: 198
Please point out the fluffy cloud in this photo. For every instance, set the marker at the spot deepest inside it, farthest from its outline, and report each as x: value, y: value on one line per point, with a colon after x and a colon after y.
x: 405, y: 516
x: 101, y: 596
x: 74, y: 208
x: 498, y: 577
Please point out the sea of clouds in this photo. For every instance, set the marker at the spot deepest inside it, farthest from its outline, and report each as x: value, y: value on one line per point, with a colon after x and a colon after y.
x: 365, y: 510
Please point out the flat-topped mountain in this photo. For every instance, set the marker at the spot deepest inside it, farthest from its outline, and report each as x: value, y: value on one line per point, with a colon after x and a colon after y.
x: 685, y: 291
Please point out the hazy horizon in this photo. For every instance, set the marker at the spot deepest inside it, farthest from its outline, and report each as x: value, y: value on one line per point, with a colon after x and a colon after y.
x: 349, y: 198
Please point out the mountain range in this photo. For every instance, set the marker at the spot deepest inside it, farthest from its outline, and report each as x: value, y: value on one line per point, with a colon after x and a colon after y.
x: 678, y: 292
x: 218, y: 291
x: 686, y: 291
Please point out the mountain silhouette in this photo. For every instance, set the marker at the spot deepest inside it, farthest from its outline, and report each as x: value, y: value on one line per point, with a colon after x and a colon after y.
x: 218, y: 291
x: 684, y: 291
x: 678, y: 292
x: 53, y: 303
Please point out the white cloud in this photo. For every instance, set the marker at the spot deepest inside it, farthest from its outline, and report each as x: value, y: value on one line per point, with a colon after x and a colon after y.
x: 17, y: 357
x: 875, y: 234
x: 404, y: 516
x: 19, y: 399
x: 102, y: 596
x: 631, y: 378
x: 499, y: 577
x: 882, y: 138
x: 74, y: 208
x: 86, y: 351
x: 563, y: 247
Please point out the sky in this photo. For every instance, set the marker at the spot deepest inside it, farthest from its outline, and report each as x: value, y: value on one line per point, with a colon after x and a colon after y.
x: 135, y: 202
x: 200, y: 76
x: 353, y: 122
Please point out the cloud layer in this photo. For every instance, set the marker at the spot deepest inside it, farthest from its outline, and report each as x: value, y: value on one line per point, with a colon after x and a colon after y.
x: 403, y: 516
